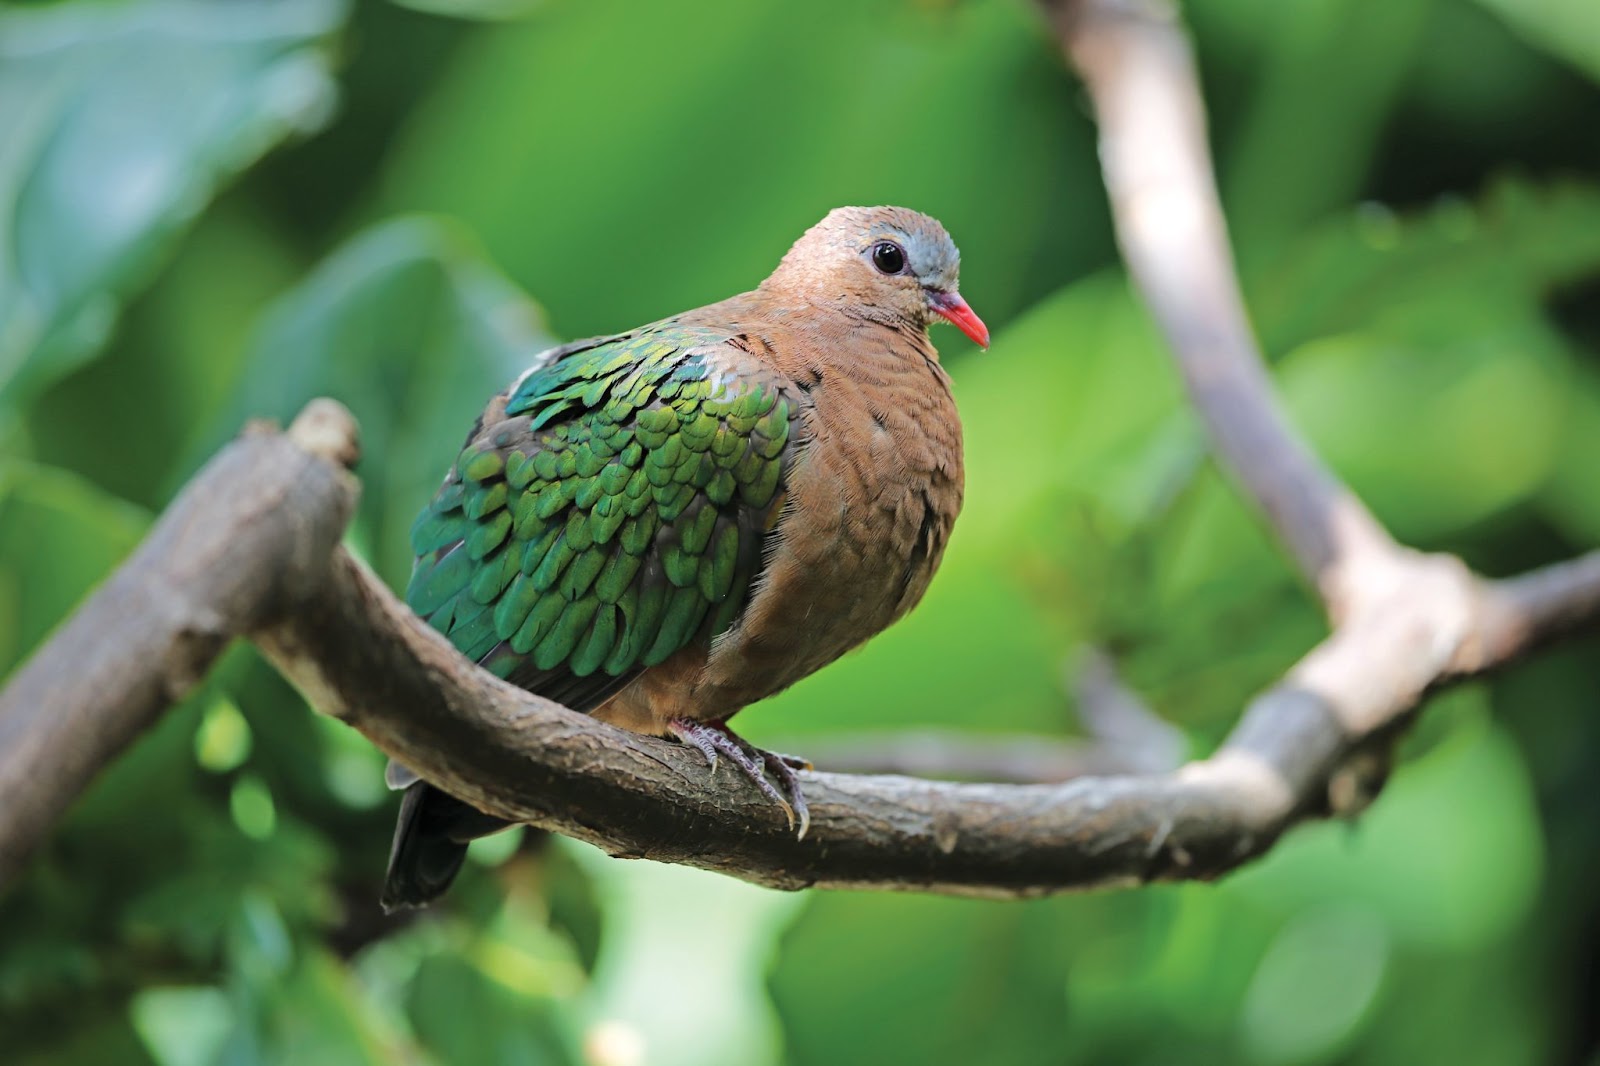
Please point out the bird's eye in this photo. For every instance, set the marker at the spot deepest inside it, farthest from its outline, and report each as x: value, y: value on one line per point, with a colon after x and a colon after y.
x: 888, y: 257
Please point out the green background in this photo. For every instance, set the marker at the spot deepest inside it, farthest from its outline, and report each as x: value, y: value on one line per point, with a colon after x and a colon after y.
x: 210, y: 211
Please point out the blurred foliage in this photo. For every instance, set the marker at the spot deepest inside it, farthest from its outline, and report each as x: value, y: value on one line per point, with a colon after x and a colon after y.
x: 118, y: 125
x: 215, y: 211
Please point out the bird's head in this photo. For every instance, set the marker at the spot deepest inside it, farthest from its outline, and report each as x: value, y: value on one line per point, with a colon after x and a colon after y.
x: 888, y: 263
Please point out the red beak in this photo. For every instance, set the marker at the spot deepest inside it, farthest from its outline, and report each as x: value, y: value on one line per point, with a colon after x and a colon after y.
x: 951, y: 307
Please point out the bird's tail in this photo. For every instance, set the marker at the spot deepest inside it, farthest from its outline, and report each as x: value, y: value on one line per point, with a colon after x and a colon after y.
x: 430, y: 844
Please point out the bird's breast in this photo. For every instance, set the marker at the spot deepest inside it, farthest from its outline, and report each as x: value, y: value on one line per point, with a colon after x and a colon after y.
x: 871, y: 498
x: 871, y: 502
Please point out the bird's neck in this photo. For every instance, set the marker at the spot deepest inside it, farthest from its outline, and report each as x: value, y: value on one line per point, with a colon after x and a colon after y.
x: 798, y: 334
x: 806, y: 294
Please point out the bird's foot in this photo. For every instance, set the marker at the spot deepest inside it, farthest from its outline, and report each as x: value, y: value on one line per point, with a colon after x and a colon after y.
x: 715, y: 739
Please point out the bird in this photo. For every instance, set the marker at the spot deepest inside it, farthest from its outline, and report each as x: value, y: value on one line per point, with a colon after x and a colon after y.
x: 663, y: 526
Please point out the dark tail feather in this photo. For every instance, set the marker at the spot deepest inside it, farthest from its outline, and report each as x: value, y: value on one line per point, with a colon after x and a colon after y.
x: 430, y: 844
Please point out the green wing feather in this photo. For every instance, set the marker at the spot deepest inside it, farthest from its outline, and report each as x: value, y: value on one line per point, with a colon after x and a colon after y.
x: 614, y: 514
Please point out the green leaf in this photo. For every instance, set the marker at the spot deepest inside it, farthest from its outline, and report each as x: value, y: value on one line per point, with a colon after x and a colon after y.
x: 463, y: 1015
x: 1277, y: 177
x: 173, y: 360
x: 254, y: 811
x: 1498, y: 255
x: 1568, y: 29
x: 223, y: 740
x: 1395, y: 417
x: 183, y: 1026
x: 1316, y: 986
x: 1465, y: 889
x: 59, y: 537
x: 117, y: 125
x: 320, y: 1013
x: 1421, y: 349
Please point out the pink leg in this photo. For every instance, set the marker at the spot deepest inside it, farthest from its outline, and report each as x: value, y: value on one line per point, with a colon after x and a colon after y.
x: 714, y: 739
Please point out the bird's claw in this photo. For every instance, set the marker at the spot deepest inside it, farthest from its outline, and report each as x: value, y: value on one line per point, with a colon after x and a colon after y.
x: 698, y: 737
x: 783, y: 767
x: 714, y: 740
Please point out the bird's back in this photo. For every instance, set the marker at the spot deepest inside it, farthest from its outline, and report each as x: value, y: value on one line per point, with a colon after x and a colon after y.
x: 607, y: 511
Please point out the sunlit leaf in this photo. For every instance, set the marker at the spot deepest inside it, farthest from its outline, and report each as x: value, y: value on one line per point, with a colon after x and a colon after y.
x: 223, y: 740
x: 253, y: 810
x: 183, y: 1026
x: 1422, y: 360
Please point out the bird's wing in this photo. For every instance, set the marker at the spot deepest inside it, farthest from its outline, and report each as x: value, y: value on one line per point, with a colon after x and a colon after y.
x: 606, y: 513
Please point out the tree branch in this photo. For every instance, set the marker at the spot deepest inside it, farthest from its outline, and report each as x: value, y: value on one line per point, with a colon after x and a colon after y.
x: 1136, y: 63
x: 1119, y: 720
x: 357, y: 652
x: 247, y: 549
x: 242, y: 541
x: 226, y: 560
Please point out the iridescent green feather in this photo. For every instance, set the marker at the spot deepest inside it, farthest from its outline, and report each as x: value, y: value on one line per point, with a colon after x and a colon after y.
x: 612, y: 517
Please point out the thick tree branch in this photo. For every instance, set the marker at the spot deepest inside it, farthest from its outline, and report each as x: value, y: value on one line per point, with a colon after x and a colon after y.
x: 248, y: 550
x: 227, y: 561
x: 243, y: 540
x: 358, y: 653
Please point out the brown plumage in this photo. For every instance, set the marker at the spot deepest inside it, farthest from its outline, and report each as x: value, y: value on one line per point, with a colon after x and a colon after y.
x: 870, y: 486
